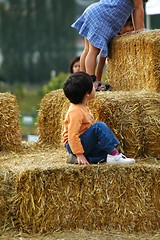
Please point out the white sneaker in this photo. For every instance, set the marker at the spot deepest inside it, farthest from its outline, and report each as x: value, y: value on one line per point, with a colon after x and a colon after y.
x: 119, y: 159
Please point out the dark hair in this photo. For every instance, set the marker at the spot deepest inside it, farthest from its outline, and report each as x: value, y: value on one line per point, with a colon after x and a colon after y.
x: 129, y: 20
x: 74, y: 60
x: 76, y: 86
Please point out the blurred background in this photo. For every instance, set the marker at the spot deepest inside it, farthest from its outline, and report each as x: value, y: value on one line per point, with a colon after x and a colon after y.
x: 37, y: 44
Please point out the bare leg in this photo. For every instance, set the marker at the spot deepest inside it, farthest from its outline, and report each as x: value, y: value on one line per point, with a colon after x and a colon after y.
x: 100, y: 67
x: 83, y: 56
x: 90, y: 61
x: 103, y: 61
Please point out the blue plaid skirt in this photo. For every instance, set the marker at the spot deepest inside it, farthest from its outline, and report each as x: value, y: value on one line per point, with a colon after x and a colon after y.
x: 101, y: 21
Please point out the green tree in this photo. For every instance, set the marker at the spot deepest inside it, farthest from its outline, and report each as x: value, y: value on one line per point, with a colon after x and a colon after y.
x: 55, y: 82
x: 35, y: 38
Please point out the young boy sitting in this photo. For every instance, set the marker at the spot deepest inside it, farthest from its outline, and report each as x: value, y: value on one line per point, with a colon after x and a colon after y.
x: 86, y: 141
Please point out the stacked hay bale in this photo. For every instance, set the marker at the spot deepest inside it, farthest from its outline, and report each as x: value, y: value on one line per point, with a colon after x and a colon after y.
x: 50, y: 117
x: 94, y: 197
x: 151, y: 124
x: 6, y: 192
x: 10, y: 133
x: 134, y: 62
x: 121, y: 111
x: 47, y: 194
x: 120, y: 197
x: 133, y: 117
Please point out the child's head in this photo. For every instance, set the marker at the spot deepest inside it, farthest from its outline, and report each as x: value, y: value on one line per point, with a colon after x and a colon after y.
x: 128, y: 27
x: 75, y: 65
x: 77, y: 86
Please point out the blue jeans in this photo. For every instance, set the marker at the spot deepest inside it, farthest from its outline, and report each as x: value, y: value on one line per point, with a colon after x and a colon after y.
x: 97, y: 141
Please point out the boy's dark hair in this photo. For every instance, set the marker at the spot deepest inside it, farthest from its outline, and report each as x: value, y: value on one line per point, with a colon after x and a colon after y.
x: 76, y: 86
x: 74, y: 60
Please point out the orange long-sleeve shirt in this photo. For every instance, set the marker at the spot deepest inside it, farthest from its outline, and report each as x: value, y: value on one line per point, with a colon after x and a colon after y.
x: 78, y: 119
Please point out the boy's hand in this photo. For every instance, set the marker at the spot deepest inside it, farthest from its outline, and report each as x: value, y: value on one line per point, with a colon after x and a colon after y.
x: 82, y: 160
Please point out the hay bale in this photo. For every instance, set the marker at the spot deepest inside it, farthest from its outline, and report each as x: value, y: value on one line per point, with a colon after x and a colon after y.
x: 123, y: 112
x: 65, y: 197
x: 151, y: 124
x: 6, y: 192
x: 10, y: 133
x: 42, y: 193
x: 134, y: 62
x: 134, y: 117
x: 49, y: 118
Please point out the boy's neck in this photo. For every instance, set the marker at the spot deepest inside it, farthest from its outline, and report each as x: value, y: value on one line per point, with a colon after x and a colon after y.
x: 84, y: 102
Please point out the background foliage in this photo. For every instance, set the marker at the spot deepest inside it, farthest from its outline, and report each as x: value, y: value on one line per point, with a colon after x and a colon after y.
x: 55, y: 82
x: 35, y: 38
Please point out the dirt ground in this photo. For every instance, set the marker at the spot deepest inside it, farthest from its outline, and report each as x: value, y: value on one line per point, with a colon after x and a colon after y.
x: 80, y: 235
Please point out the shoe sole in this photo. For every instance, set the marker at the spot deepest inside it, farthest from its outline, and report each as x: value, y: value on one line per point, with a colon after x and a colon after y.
x: 120, y: 163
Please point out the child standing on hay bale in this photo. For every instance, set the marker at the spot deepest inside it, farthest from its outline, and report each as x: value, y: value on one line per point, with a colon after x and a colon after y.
x: 75, y: 62
x: 99, y: 23
x: 128, y: 28
x: 85, y: 140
